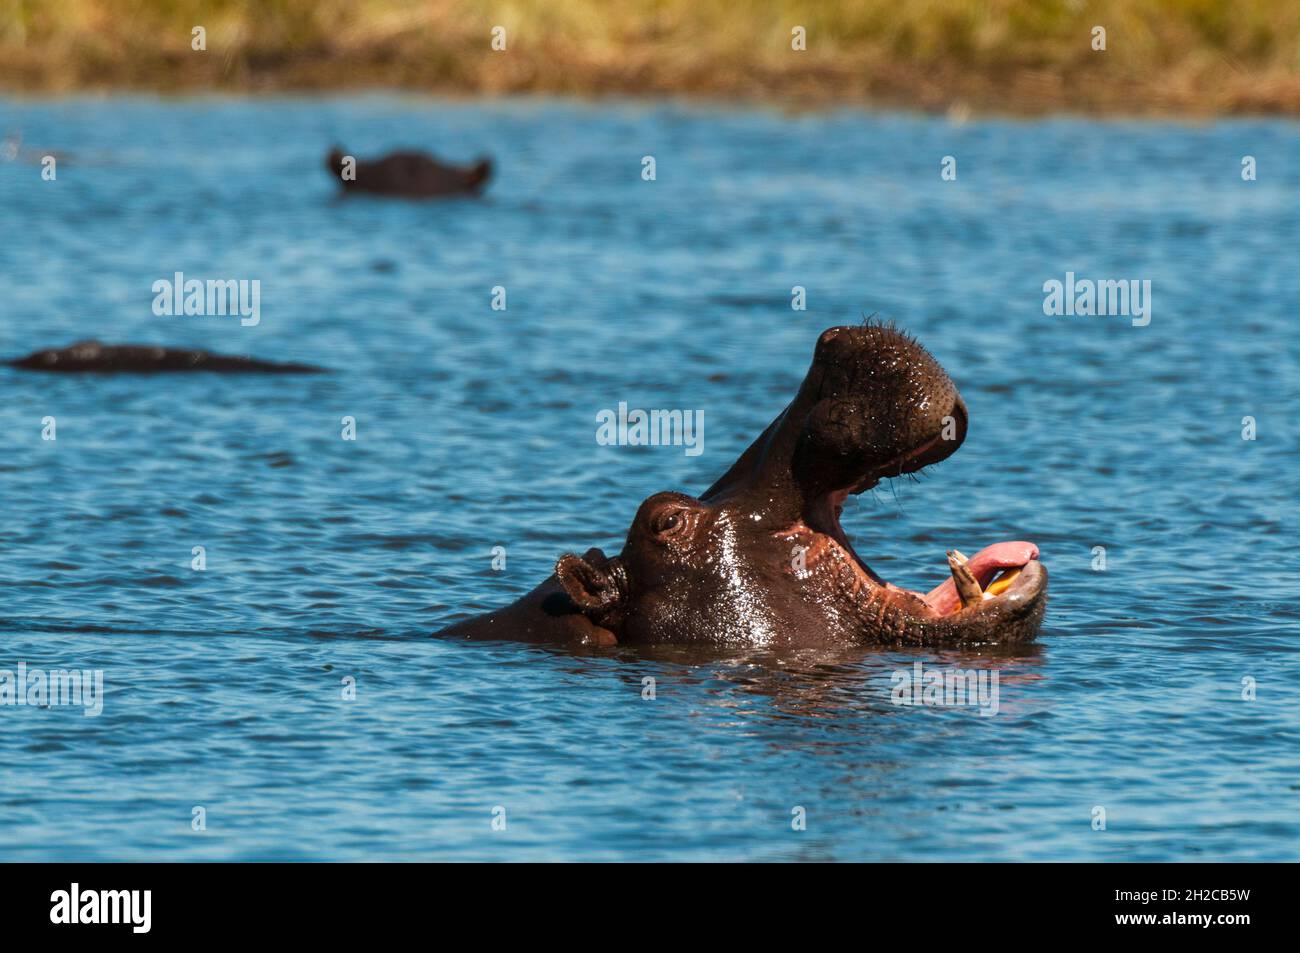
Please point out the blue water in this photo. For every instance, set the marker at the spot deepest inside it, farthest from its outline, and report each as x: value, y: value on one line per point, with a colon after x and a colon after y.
x: 329, y: 559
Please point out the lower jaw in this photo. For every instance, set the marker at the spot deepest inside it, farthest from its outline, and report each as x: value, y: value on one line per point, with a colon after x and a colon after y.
x: 996, y: 568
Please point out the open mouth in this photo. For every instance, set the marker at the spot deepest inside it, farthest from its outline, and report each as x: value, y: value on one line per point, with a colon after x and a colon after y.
x: 998, y: 573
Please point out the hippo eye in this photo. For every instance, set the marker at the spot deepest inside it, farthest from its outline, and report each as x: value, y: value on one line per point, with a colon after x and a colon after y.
x: 664, y: 522
x: 668, y: 522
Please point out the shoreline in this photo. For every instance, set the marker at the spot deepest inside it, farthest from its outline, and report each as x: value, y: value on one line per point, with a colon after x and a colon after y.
x: 1161, y: 58
x: 960, y: 108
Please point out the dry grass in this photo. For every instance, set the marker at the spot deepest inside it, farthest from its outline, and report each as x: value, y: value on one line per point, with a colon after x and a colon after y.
x: 1190, y: 56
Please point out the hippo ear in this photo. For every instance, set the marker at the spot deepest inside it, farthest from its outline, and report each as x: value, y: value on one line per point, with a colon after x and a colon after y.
x: 592, y: 587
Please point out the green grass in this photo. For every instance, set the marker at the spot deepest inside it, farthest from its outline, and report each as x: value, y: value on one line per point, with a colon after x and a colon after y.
x: 1200, y: 56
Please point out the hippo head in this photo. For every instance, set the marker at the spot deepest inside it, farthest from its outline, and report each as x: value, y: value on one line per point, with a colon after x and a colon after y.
x: 761, y: 558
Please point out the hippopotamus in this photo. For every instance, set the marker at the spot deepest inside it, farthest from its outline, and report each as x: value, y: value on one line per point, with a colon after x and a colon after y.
x: 410, y: 175
x: 760, y: 559
x: 94, y: 357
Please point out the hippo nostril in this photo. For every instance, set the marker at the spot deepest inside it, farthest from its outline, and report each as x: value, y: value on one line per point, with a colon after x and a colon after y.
x: 834, y: 343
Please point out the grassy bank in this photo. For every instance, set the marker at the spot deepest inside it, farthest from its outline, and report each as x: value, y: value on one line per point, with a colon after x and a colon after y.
x: 1180, y: 56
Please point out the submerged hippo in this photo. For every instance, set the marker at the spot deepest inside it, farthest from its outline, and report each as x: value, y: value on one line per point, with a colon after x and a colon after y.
x: 411, y: 175
x: 760, y: 558
x: 94, y: 357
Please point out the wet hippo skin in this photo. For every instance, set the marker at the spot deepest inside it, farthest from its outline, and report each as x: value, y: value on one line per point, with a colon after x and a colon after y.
x: 760, y: 557
x: 410, y: 174
x: 92, y: 357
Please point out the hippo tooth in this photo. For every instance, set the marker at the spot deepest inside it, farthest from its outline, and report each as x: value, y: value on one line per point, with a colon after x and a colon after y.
x: 968, y: 587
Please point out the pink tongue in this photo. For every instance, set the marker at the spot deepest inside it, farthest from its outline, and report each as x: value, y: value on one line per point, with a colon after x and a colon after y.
x: 985, y: 565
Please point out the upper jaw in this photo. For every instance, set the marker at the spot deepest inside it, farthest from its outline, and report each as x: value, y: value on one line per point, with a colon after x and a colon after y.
x: 930, y: 451
x: 939, y: 447
x: 805, y: 452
